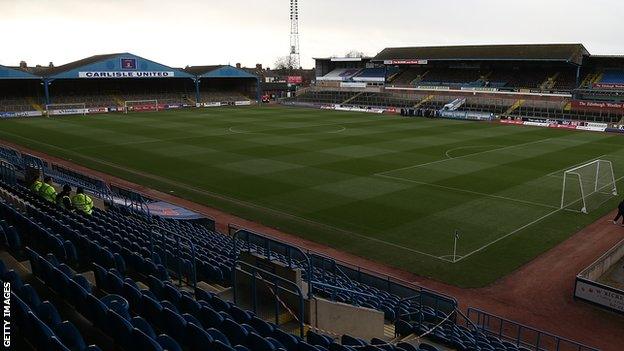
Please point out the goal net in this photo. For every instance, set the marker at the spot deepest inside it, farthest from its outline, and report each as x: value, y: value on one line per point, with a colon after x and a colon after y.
x: 66, y: 109
x: 140, y: 105
x: 587, y: 187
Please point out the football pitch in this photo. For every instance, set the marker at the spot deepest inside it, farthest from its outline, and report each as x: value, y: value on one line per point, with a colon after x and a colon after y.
x: 392, y: 189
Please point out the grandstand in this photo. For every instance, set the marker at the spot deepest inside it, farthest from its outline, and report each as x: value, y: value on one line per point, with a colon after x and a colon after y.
x: 103, y: 83
x: 551, y: 81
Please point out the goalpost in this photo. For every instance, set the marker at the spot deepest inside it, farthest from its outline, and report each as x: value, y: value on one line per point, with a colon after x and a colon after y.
x: 588, y: 186
x: 140, y: 105
x: 66, y: 109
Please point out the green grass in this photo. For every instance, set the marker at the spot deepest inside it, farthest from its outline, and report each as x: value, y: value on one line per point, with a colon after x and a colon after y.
x: 387, y: 188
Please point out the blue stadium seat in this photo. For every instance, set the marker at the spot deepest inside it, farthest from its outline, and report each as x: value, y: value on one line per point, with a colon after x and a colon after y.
x: 95, y: 310
x: 174, y: 324
x: 143, y: 325
x: 71, y: 254
x: 168, y: 343
x: 120, y: 327
x: 218, y: 336
x: 427, y: 347
x: 152, y: 310
x: 12, y: 238
x: 351, y: 341
x: 70, y: 336
x: 14, y: 278
x: 239, y: 315
x: 41, y: 334
x: 406, y: 346
x: 288, y: 340
x: 142, y: 342
x: 188, y: 304
x: 258, y: 343
x: 48, y: 314
x: 189, y: 318
x: 234, y: 331
x: 263, y: 328
x: 197, y: 337
x: 210, y: 318
x: 29, y: 295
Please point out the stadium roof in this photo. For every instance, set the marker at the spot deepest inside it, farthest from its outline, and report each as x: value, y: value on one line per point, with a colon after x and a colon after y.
x: 112, y: 63
x: 218, y: 71
x: 15, y: 73
x: 572, y: 53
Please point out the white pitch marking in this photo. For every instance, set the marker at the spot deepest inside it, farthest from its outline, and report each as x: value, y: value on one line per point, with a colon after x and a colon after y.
x: 458, y: 157
x: 518, y: 229
x: 526, y: 202
x: 448, y: 152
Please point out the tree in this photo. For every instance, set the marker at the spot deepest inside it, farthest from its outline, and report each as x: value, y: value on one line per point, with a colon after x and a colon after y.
x: 355, y: 54
x: 284, y: 62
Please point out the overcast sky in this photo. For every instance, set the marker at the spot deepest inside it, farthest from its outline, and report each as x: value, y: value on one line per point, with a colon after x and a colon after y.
x: 195, y: 32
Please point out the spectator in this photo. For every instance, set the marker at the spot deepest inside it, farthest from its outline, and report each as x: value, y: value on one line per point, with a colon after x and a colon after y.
x: 82, y: 202
x: 47, y: 191
x: 63, y: 199
x: 620, y: 213
x: 36, y: 185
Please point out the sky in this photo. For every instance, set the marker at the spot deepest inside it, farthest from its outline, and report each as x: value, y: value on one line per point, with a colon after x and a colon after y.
x: 203, y: 32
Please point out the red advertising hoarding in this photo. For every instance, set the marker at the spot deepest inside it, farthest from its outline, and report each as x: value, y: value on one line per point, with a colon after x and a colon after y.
x: 609, y: 85
x: 617, y: 107
x: 294, y: 79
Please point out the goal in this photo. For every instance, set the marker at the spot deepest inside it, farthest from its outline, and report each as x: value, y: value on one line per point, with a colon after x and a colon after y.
x: 140, y: 105
x: 588, y: 186
x: 66, y: 109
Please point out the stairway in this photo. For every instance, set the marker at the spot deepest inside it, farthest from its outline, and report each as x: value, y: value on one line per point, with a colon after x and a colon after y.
x: 37, y: 106
x: 118, y: 100
x: 588, y: 80
x: 514, y: 107
x: 352, y: 98
x: 419, y: 78
x: 423, y: 101
x: 550, y: 82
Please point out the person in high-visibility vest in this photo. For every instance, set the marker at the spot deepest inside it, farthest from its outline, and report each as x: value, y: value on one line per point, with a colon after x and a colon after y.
x: 63, y: 200
x: 36, y: 185
x: 47, y: 191
x: 82, y: 202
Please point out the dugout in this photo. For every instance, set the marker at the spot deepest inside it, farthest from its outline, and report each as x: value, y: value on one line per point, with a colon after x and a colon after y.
x: 224, y: 83
x: 110, y: 80
x: 20, y: 91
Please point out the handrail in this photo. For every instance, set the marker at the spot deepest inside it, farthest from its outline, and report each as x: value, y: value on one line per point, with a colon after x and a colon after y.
x: 482, y: 316
x: 409, y: 285
x: 259, y: 273
x: 156, y: 227
x: 244, y: 235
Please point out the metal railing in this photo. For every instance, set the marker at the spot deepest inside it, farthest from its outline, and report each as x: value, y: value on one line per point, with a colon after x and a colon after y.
x: 155, y: 229
x: 276, y: 285
x: 522, y: 335
x: 274, y: 250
